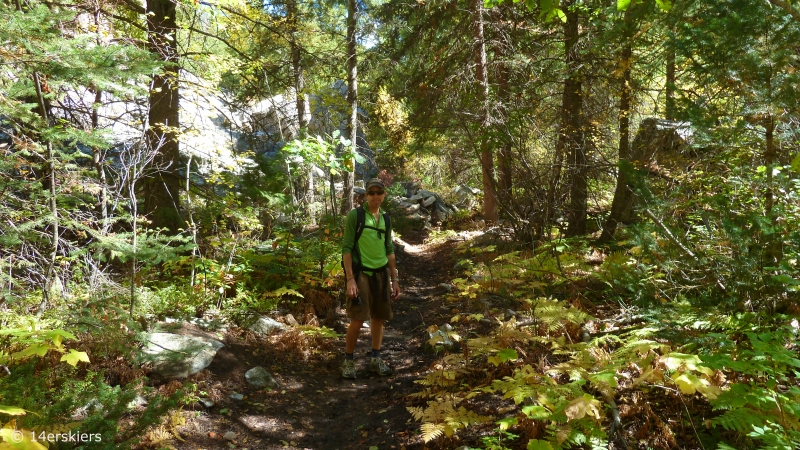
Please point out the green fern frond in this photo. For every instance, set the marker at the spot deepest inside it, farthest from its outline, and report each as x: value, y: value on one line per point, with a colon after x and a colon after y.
x: 741, y: 420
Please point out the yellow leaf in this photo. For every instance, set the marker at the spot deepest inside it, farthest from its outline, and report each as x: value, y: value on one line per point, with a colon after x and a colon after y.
x: 74, y: 357
x: 35, y: 349
x: 651, y: 375
x: 583, y: 406
x: 689, y: 384
x: 12, y: 410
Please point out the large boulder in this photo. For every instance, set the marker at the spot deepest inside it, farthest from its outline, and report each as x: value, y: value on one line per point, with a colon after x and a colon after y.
x: 178, y: 356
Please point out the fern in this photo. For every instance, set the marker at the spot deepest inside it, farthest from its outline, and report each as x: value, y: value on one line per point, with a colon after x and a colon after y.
x: 442, y: 417
x: 740, y: 420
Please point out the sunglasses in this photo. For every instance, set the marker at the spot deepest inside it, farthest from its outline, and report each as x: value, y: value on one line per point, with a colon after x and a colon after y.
x: 375, y: 192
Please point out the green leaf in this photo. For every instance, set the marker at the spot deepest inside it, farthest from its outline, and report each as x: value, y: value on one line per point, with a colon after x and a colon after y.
x: 12, y: 410
x: 536, y: 444
x: 664, y: 5
x: 507, y: 423
x: 74, y: 357
x: 507, y: 354
x: 796, y: 163
x: 35, y: 349
x: 536, y: 412
x: 622, y: 5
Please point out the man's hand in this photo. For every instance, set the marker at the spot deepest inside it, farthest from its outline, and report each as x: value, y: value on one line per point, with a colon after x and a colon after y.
x: 395, y: 290
x: 352, y: 288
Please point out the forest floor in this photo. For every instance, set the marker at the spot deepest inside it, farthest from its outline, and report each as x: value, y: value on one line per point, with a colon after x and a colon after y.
x: 316, y: 408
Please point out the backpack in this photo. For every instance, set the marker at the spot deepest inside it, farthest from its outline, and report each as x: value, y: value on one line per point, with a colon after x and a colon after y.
x: 361, y: 218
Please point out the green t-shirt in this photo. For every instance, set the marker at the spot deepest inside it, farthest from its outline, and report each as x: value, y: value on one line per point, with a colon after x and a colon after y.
x: 373, y: 250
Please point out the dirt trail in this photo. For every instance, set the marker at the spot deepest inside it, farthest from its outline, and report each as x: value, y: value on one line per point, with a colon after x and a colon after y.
x: 316, y: 408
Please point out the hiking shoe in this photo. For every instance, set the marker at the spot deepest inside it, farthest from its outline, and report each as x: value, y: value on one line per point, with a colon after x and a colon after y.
x: 376, y: 365
x: 349, y: 369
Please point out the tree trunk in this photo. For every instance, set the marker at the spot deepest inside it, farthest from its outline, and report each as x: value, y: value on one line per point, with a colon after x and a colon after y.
x: 572, y: 127
x: 505, y: 178
x: 352, y: 100
x: 481, y: 74
x: 669, y: 113
x: 623, y: 196
x: 161, y: 189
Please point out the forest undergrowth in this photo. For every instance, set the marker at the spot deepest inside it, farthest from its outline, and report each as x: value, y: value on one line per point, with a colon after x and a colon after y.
x: 564, y: 345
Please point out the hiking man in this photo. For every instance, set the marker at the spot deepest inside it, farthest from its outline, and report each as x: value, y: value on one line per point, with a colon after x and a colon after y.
x: 371, y: 274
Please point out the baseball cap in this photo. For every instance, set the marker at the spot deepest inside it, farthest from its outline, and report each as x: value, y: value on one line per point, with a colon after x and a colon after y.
x: 375, y: 182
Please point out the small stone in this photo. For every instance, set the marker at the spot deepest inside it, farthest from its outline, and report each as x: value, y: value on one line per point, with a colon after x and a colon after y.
x: 229, y: 436
x: 291, y: 320
x: 237, y: 396
x: 207, y: 402
x: 260, y: 378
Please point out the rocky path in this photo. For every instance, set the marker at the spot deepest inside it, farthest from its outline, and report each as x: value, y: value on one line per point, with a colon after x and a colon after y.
x: 314, y: 408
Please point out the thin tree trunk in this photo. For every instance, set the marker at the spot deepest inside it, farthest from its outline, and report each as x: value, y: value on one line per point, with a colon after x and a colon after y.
x: 505, y: 178
x: 352, y: 100
x: 162, y: 189
x: 190, y: 215
x: 481, y: 74
x: 50, y: 167
x: 572, y: 127
x: 670, y: 82
x: 623, y: 196
x: 297, y: 68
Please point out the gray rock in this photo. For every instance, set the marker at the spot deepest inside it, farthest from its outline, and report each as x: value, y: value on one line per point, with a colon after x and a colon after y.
x: 208, y: 324
x: 426, y: 194
x: 266, y: 325
x: 291, y: 320
x: 446, y: 286
x: 260, y: 378
x: 178, y: 356
x: 429, y: 201
x: 207, y: 402
x: 237, y: 397
x: 229, y: 436
x: 137, y: 402
x: 416, y: 197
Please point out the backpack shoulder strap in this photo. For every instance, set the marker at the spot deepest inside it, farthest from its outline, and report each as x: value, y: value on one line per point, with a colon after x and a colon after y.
x: 360, y: 220
x: 388, y: 221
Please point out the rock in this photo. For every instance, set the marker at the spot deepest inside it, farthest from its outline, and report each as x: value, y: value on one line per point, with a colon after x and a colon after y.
x: 237, y: 397
x: 429, y: 201
x: 446, y: 286
x: 229, y: 436
x: 209, y: 324
x: 207, y: 402
x: 410, y: 187
x: 260, y: 378
x: 426, y: 194
x: 178, y: 356
x: 441, y: 334
x: 416, y: 197
x: 413, y: 208
x: 267, y: 326
x: 466, y: 197
x: 137, y: 402
x: 291, y: 320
